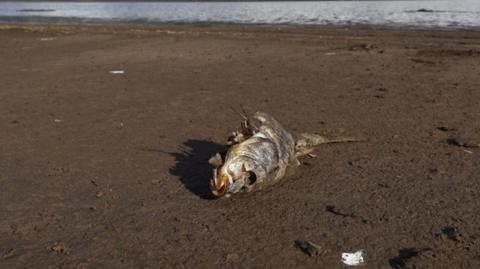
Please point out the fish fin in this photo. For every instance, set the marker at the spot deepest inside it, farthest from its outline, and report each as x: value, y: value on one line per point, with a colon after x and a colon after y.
x: 235, y: 138
x: 247, y: 130
x: 216, y: 161
x: 263, y: 117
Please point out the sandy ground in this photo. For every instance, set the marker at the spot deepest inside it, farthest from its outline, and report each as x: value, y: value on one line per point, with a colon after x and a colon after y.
x: 99, y: 170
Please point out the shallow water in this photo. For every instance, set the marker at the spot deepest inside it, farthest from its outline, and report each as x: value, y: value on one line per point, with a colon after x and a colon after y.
x: 423, y: 14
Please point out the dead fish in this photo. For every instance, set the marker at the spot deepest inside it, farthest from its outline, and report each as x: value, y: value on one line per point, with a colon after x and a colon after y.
x: 258, y: 157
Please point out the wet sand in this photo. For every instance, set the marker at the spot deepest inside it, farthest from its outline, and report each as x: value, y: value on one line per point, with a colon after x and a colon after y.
x: 101, y: 170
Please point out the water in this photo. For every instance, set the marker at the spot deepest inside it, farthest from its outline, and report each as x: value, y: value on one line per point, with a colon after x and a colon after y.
x: 423, y: 14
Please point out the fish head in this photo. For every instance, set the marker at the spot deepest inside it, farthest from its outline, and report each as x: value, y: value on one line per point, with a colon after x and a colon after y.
x: 232, y: 178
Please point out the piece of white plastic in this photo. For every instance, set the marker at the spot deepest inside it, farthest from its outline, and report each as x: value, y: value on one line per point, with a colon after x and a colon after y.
x: 117, y: 72
x: 354, y: 259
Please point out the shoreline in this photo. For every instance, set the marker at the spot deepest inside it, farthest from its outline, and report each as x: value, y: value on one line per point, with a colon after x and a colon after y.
x: 65, y: 21
x: 286, y: 28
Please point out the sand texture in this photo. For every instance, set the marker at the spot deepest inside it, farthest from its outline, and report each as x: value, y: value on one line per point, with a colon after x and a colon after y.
x: 110, y: 170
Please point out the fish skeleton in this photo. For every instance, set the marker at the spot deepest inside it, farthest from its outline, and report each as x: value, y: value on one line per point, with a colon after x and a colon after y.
x: 258, y: 157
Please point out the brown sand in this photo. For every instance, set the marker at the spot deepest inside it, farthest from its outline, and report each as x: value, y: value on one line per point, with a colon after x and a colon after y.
x: 110, y: 171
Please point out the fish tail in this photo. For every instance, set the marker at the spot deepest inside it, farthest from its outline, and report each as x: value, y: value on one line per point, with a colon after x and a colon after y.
x: 308, y: 142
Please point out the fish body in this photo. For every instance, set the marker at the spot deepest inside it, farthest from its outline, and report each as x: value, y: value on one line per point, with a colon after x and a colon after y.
x: 260, y: 156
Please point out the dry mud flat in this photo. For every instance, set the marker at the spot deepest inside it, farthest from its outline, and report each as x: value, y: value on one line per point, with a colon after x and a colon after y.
x: 109, y: 170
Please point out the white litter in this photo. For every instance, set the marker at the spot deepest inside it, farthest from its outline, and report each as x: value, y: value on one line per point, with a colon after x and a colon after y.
x: 117, y: 72
x: 47, y: 38
x: 354, y: 259
x: 57, y: 120
x: 330, y: 53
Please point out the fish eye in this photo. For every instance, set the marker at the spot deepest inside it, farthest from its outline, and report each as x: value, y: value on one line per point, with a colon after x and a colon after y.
x: 251, y: 178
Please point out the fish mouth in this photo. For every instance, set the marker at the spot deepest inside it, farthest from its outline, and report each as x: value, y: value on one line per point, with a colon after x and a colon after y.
x: 220, y: 189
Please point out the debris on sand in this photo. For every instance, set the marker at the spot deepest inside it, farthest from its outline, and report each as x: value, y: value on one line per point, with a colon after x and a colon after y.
x: 333, y: 210
x: 309, y: 248
x: 405, y: 256
x: 421, y: 61
x: 354, y: 259
x: 259, y: 155
x: 10, y: 253
x: 94, y: 182
x: 99, y: 194
x: 365, y: 47
x: 445, y: 129
x: 457, y: 141
x: 60, y: 248
x: 57, y: 171
x: 450, y: 232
